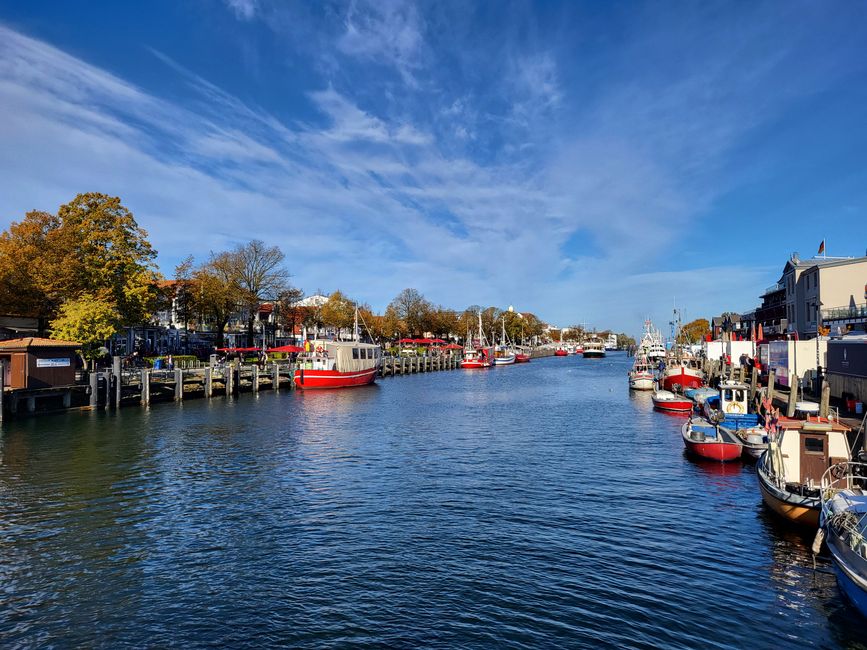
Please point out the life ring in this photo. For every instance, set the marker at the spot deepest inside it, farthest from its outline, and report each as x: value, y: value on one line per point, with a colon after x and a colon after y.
x: 319, y: 349
x: 734, y: 407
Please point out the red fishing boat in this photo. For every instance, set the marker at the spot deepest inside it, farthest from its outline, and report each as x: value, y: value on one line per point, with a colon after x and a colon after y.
x: 522, y: 357
x: 681, y: 374
x: 667, y: 401
x: 477, y: 354
x: 337, y: 364
x: 707, y: 440
x: 560, y: 352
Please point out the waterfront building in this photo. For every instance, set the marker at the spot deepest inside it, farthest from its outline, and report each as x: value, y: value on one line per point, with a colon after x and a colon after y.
x: 771, y: 314
x: 820, y: 285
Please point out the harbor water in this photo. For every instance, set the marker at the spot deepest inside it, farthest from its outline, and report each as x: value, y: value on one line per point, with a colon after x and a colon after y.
x: 537, y: 505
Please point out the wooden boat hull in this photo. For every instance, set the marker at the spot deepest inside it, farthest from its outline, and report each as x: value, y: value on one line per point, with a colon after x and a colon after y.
x: 316, y: 379
x: 792, y: 507
x: 522, y: 358
x: 594, y: 354
x: 507, y: 360
x: 641, y: 381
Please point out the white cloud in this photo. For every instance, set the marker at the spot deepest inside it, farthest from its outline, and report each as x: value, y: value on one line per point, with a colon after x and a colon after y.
x: 243, y: 9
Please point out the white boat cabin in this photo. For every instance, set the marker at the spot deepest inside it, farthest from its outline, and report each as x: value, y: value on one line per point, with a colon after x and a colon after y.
x: 803, y: 455
x: 342, y: 356
x: 734, y: 398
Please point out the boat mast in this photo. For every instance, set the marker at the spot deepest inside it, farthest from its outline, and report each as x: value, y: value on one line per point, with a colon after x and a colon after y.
x: 355, y: 329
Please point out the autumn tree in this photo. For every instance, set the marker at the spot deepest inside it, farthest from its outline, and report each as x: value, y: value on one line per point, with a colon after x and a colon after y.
x: 442, y: 322
x: 258, y: 274
x: 91, y: 247
x: 219, y: 296
x: 184, y: 293
x: 88, y: 319
x: 338, y: 311
x: 288, y: 310
x: 694, y: 331
x: 411, y: 308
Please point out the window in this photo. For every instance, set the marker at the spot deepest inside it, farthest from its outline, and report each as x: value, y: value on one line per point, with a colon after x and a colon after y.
x: 354, y: 353
x: 814, y: 445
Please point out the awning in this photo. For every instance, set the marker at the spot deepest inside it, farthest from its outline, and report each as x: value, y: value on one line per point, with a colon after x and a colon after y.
x: 286, y: 348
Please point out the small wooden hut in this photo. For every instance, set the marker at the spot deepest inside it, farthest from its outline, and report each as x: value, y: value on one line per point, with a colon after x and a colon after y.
x: 33, y: 362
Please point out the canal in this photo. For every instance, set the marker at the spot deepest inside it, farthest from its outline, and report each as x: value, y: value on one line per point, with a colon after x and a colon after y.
x: 533, y: 505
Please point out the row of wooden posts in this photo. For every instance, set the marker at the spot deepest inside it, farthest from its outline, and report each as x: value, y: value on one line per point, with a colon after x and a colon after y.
x: 116, y: 386
x: 714, y: 370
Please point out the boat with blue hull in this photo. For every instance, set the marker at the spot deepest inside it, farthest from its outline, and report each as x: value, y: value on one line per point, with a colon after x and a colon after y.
x: 844, y: 525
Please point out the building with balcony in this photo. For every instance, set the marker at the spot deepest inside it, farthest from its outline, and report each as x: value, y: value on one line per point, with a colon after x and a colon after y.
x: 771, y: 314
x: 836, y: 286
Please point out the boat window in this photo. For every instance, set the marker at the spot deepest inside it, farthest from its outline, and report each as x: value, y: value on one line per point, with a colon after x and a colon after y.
x: 354, y: 353
x: 727, y: 396
x: 814, y: 445
x: 739, y: 395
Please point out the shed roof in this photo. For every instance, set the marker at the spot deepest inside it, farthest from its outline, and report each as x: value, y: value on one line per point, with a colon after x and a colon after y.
x: 36, y: 342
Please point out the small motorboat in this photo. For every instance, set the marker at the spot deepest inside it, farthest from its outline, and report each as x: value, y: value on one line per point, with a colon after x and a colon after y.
x: 791, y: 469
x: 844, y: 525
x: 667, y: 401
x: 560, y: 352
x: 522, y: 357
x: 729, y: 409
x: 707, y: 440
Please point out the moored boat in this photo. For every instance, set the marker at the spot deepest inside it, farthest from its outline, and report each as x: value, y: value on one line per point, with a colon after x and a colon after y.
x: 844, y: 522
x: 593, y: 348
x: 651, y: 345
x: 707, y: 440
x: 641, y: 375
x: 560, y: 352
x: 729, y: 408
x: 791, y: 469
x: 680, y: 374
x: 665, y: 400
x: 337, y: 364
x: 477, y: 355
x: 504, y: 354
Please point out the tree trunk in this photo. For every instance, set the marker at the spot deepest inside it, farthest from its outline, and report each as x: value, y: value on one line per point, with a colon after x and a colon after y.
x: 221, y: 327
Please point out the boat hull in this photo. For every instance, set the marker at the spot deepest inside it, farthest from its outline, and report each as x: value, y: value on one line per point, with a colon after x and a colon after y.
x: 680, y: 379
x: 718, y: 448
x: 641, y: 381
x: 674, y: 406
x: 472, y: 364
x: 855, y: 590
x: 507, y: 360
x: 561, y: 353
x: 798, y: 509
x: 594, y: 354
x: 318, y: 379
x: 522, y: 358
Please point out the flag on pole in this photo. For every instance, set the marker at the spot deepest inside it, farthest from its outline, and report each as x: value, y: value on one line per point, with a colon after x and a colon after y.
x: 761, y: 333
x: 821, y: 248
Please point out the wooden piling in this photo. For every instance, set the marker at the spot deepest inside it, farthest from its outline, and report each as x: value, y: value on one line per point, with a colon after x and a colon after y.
x: 825, y: 401
x: 145, y: 387
x: 254, y: 378
x: 754, y: 382
x: 107, y: 375
x: 118, y: 387
x: 94, y: 389
x: 209, y: 382
x: 179, y: 385
x: 2, y: 387
x: 275, y: 377
x: 793, y: 395
x: 771, y: 387
x: 742, y: 374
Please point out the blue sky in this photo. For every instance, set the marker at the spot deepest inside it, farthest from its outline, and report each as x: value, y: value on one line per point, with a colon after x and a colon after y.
x: 592, y: 162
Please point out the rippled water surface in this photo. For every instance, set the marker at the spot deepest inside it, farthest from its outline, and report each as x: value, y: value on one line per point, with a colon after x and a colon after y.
x: 525, y: 506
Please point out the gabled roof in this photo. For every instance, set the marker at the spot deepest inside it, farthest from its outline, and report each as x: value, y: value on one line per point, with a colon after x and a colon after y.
x: 36, y: 342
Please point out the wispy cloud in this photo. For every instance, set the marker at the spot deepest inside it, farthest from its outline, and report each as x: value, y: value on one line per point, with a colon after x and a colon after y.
x: 479, y: 193
x: 243, y: 9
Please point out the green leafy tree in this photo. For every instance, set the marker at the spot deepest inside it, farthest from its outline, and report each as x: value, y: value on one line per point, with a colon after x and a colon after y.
x: 90, y: 320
